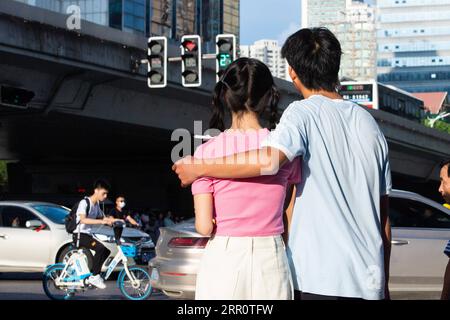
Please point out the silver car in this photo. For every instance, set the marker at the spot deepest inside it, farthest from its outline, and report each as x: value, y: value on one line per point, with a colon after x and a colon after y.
x: 420, y: 231
x: 33, y: 236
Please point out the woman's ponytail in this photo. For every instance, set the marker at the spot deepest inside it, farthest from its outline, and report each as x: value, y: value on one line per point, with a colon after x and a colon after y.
x: 273, y: 106
x: 218, y: 109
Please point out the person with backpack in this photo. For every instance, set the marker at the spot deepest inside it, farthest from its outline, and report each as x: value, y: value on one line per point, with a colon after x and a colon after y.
x: 85, y: 214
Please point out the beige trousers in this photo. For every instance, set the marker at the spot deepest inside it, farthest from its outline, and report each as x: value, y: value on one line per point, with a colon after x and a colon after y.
x: 244, y: 268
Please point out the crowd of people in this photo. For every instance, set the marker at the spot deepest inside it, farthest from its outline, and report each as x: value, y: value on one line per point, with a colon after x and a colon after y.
x: 147, y: 220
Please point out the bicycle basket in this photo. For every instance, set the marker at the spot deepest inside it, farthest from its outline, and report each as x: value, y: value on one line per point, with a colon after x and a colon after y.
x: 129, y: 251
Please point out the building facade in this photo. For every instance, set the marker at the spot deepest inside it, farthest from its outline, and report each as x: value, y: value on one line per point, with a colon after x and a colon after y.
x: 353, y: 23
x: 96, y: 11
x: 170, y: 18
x: 268, y: 52
x: 413, y: 39
x: 316, y: 12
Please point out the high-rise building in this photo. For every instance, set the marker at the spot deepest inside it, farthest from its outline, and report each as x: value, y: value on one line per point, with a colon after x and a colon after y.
x: 128, y: 15
x: 413, y: 39
x: 173, y: 18
x: 268, y: 52
x: 217, y: 16
x: 170, y: 18
x: 353, y: 23
x: 317, y: 12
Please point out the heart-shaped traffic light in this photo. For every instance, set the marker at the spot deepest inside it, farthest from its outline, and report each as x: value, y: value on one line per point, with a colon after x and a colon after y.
x: 191, y: 61
x: 189, y: 45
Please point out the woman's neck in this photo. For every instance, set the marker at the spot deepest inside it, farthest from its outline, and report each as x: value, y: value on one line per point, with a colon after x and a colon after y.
x: 245, y: 121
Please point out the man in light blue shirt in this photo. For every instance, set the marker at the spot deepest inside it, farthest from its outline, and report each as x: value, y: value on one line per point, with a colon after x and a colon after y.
x: 339, y: 239
x: 335, y: 245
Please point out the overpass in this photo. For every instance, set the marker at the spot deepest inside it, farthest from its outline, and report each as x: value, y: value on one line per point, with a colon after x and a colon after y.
x: 93, y: 114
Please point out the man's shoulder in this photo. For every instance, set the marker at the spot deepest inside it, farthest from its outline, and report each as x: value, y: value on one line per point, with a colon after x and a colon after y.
x: 299, y: 110
x: 365, y: 117
x: 299, y: 105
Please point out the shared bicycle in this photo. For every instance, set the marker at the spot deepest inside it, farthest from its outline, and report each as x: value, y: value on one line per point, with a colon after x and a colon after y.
x: 61, y: 281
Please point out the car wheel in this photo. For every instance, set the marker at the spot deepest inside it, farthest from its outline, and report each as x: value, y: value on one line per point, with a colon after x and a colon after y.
x: 65, y: 254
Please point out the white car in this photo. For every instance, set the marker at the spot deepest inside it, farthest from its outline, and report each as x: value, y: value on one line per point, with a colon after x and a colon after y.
x: 33, y: 236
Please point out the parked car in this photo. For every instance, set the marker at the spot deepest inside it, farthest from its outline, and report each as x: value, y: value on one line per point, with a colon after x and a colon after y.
x: 33, y: 236
x: 420, y: 231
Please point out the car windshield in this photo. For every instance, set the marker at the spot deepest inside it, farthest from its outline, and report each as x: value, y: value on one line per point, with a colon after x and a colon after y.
x: 55, y: 213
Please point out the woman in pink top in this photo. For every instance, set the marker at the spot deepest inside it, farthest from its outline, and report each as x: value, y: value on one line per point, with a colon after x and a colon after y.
x: 245, y: 257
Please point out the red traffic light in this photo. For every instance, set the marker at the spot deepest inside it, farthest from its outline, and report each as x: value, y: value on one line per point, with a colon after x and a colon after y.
x: 190, y: 45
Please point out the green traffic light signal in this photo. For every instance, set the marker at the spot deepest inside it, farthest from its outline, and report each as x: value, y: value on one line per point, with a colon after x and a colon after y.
x: 224, y: 60
x: 225, y: 52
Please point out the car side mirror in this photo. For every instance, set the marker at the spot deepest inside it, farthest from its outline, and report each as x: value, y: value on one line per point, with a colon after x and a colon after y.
x: 33, y: 224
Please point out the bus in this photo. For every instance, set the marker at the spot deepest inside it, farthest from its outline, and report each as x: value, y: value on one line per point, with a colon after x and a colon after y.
x: 374, y: 95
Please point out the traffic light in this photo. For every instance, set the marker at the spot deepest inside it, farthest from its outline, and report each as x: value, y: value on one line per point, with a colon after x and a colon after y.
x: 157, y: 62
x: 226, y: 52
x: 15, y: 97
x: 191, y: 61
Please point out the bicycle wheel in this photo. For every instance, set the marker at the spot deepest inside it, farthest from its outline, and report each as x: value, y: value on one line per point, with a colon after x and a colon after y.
x: 50, y: 288
x: 141, y: 289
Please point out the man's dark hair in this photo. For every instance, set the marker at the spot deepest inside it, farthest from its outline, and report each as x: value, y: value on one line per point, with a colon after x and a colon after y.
x: 315, y: 56
x: 101, y: 184
x: 446, y: 163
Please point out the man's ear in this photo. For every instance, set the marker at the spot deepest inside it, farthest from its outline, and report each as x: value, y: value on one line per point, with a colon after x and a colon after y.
x: 295, y: 79
x: 292, y: 73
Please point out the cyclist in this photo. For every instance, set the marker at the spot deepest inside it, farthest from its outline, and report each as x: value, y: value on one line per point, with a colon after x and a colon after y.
x: 118, y: 212
x: 83, y: 235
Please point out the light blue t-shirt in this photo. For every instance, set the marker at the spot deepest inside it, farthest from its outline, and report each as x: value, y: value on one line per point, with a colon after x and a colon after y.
x: 335, y: 246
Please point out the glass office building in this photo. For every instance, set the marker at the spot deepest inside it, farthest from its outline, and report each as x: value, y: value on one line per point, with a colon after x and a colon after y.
x: 128, y: 15
x: 95, y: 11
x: 353, y: 23
x: 217, y: 16
x: 413, y: 39
x: 170, y: 18
x: 208, y: 18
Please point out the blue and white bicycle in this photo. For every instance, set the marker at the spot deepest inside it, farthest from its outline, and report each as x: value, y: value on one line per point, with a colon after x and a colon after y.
x: 62, y: 281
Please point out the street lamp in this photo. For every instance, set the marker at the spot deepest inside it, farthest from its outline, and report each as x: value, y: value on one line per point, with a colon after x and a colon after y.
x: 438, y: 117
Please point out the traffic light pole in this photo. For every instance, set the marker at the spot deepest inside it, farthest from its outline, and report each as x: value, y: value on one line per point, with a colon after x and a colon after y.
x: 206, y: 56
x: 190, y: 57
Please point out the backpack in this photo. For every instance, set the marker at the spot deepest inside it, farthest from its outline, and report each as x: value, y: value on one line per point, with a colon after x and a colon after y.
x: 71, y: 219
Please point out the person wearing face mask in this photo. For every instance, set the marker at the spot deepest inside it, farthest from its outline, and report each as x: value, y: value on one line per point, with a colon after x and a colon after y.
x: 118, y: 211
